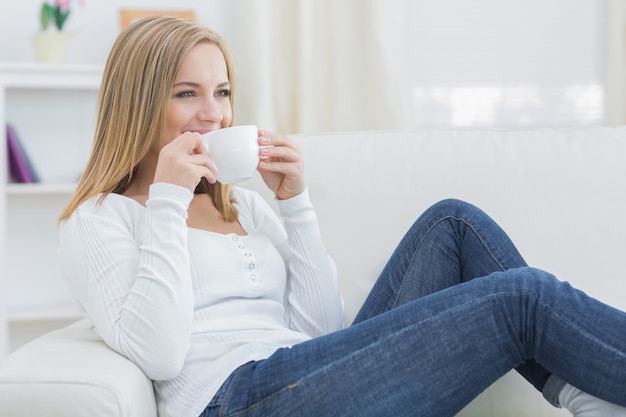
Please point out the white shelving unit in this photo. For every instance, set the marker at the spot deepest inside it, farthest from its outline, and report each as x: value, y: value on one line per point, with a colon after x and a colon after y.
x: 52, y: 109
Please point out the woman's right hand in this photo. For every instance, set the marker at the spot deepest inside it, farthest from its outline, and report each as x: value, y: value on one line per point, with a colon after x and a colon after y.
x: 184, y: 162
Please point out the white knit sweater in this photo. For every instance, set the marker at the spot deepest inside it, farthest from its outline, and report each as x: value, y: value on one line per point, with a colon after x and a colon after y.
x: 189, y: 306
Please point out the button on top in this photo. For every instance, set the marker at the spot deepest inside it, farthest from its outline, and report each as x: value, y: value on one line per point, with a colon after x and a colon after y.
x: 247, y: 258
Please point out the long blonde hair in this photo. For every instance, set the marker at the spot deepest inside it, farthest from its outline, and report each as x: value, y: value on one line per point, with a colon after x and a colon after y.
x: 132, y: 106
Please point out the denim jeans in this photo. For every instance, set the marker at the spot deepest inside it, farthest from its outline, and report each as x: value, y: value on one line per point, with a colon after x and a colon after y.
x: 455, y: 309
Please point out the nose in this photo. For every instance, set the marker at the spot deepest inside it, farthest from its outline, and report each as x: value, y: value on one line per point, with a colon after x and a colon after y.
x: 211, y: 111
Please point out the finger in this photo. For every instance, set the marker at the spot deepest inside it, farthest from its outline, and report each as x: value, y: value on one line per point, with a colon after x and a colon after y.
x: 203, y: 171
x: 278, y: 152
x: 200, y: 159
x: 268, y: 138
x: 199, y: 147
x: 188, y: 142
x: 195, y: 143
x: 210, y: 177
x: 289, y: 169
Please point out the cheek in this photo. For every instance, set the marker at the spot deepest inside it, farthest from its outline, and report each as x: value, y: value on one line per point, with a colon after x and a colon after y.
x: 177, y: 121
x: 176, y: 117
x: 174, y: 124
x: 227, y: 115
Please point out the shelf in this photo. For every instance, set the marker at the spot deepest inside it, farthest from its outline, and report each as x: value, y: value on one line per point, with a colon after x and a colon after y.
x: 16, y: 189
x: 17, y: 75
x: 53, y: 109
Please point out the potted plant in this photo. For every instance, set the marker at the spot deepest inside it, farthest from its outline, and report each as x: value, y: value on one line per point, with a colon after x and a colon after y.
x: 50, y: 43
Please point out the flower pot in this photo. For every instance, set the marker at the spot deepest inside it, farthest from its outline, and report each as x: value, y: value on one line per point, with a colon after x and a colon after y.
x: 50, y: 47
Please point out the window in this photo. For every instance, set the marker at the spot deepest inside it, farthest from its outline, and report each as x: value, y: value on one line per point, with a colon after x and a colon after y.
x: 508, y: 63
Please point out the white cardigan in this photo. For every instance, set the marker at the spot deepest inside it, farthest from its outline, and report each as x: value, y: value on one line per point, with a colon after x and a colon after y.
x: 189, y: 306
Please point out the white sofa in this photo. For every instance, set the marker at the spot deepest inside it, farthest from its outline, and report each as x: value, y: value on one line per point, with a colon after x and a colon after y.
x: 560, y: 193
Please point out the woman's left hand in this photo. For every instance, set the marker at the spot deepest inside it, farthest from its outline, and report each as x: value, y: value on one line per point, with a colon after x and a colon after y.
x: 281, y: 165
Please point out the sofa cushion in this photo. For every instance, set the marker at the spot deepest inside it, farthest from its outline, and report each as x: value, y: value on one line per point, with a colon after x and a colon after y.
x: 71, y: 372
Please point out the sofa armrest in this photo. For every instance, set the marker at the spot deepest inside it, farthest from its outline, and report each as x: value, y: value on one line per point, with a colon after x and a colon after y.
x: 71, y: 372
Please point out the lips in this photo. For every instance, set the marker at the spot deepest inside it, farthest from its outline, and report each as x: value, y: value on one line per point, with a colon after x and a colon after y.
x: 201, y: 131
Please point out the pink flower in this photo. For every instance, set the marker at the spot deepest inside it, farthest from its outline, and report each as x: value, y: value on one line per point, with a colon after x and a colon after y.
x: 63, y: 4
x: 55, y: 13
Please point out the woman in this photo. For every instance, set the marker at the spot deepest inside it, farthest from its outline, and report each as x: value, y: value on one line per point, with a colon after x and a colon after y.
x: 232, y: 310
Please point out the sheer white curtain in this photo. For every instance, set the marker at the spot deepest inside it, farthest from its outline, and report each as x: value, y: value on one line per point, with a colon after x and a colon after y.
x: 615, y: 62
x: 321, y: 65
x: 332, y: 65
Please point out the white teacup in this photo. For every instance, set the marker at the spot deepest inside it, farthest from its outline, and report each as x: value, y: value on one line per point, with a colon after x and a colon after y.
x: 234, y: 152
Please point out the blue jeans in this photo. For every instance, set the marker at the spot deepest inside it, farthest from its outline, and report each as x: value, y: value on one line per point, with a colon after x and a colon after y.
x: 430, y: 337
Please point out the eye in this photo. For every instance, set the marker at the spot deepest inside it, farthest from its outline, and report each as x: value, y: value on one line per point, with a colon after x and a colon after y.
x: 186, y: 93
x: 223, y: 93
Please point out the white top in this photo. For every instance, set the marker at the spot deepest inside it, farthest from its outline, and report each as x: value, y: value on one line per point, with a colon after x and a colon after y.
x: 189, y: 306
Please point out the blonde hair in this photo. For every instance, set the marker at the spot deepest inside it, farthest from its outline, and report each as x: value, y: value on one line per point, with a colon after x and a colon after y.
x: 132, y: 106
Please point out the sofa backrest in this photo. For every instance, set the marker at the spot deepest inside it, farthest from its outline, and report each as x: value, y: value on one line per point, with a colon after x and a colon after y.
x: 559, y: 193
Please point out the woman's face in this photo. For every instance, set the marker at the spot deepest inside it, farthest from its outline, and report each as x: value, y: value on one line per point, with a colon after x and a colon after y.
x: 200, y: 100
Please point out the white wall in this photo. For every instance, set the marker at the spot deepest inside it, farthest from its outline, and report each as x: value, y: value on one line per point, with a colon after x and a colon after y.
x: 94, y: 25
x: 483, y: 63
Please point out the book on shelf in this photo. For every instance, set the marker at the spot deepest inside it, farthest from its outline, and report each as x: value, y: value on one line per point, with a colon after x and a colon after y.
x: 21, y: 168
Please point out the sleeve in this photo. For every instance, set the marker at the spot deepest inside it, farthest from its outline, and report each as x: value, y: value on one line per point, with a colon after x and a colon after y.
x: 313, y: 302
x: 132, y: 277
